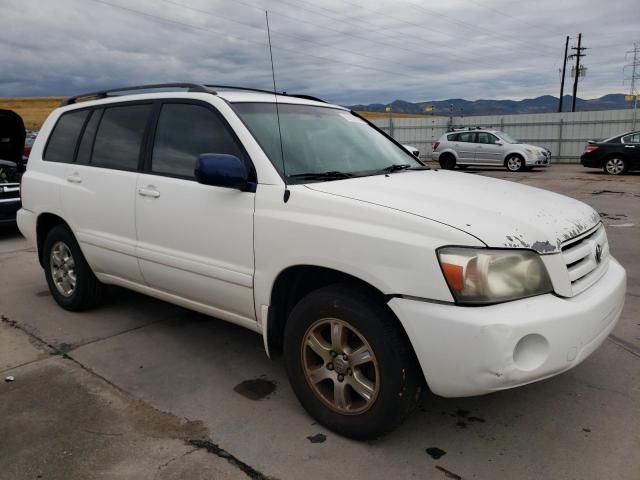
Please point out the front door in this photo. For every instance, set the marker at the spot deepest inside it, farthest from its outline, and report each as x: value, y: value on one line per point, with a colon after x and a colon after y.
x: 488, y: 152
x: 195, y: 241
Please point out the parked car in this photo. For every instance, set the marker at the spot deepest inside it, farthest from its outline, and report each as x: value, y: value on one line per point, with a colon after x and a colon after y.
x: 12, y: 135
x: 615, y: 155
x: 9, y: 191
x: 412, y: 150
x: 373, y: 274
x: 28, y: 144
x: 482, y: 147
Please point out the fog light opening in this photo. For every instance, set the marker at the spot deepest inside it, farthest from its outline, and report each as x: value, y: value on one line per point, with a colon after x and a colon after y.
x: 531, y: 352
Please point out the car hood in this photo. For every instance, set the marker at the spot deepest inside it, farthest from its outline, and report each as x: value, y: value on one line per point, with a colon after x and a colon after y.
x: 499, y: 213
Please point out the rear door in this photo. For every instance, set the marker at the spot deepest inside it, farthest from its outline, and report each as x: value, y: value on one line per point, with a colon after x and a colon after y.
x: 466, y: 147
x: 98, y: 197
x: 632, y: 149
x: 195, y: 241
x: 487, y: 151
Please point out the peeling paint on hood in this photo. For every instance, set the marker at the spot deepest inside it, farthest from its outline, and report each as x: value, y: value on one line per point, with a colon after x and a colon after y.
x: 498, y: 212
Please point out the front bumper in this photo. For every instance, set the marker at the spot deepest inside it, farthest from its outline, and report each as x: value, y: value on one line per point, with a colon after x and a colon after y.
x: 465, y: 351
x: 8, y: 211
x: 537, y: 161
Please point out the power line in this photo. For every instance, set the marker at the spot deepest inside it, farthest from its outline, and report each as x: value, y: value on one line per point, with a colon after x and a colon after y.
x: 289, y: 35
x: 306, y: 54
x: 359, y: 37
x: 402, y: 36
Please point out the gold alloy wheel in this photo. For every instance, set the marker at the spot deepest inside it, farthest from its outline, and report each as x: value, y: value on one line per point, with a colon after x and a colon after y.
x: 340, y: 366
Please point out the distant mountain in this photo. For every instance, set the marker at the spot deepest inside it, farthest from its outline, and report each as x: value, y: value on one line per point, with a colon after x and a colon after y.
x: 544, y: 104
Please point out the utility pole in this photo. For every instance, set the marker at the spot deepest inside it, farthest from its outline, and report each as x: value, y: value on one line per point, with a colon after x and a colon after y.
x: 635, y: 75
x: 578, y: 71
x: 564, y: 69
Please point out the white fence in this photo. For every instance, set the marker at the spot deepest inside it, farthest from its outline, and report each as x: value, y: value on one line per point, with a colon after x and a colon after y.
x: 565, y: 134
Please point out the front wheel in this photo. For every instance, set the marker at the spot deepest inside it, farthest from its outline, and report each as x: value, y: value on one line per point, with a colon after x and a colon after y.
x: 349, y: 363
x: 615, y: 166
x: 515, y: 163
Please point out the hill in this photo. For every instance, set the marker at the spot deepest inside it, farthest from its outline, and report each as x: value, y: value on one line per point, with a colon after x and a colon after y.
x: 543, y: 104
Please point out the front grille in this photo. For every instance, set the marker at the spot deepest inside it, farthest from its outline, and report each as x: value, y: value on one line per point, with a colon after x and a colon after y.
x: 586, y: 257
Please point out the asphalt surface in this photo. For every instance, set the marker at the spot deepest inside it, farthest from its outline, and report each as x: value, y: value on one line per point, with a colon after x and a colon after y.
x: 138, y: 388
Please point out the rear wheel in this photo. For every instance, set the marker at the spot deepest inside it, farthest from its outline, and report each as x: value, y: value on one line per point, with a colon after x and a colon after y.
x: 349, y: 363
x: 447, y: 161
x: 71, y: 281
x: 515, y: 163
x: 615, y: 166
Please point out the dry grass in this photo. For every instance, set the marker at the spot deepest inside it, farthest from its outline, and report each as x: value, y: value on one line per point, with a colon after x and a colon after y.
x: 33, y: 110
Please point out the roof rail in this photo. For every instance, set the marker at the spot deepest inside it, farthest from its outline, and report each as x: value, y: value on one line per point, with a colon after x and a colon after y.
x: 295, y: 95
x: 191, y: 87
x: 306, y: 97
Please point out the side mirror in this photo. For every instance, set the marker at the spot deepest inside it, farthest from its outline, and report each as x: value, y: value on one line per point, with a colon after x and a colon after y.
x: 221, y: 170
x: 498, y: 142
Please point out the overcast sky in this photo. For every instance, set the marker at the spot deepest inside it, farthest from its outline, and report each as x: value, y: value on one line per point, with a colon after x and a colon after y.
x: 346, y: 51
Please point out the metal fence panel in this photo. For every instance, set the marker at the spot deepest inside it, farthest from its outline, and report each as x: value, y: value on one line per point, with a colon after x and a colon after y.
x: 565, y: 134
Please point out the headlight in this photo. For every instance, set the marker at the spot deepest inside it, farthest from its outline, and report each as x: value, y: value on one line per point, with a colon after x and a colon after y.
x: 484, y: 276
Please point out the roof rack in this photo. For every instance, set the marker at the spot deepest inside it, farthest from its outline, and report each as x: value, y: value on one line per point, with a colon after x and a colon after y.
x: 190, y: 87
x: 271, y: 92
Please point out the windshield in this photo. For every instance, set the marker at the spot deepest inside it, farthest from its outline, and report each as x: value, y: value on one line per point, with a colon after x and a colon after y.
x: 321, y: 140
x: 507, y: 138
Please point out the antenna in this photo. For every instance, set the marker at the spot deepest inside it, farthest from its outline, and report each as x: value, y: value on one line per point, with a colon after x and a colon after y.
x: 287, y: 193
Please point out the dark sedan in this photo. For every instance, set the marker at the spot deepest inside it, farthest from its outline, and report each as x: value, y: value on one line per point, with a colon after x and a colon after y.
x: 616, y: 155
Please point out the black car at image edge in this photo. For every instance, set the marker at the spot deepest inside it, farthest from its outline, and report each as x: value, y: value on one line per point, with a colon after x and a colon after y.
x: 615, y: 155
x: 12, y: 137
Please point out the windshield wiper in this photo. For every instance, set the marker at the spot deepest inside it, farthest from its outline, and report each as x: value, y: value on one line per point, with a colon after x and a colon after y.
x: 332, y: 175
x: 396, y: 167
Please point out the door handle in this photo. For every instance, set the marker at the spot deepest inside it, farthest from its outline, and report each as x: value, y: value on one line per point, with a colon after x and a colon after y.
x: 629, y: 146
x: 148, y: 192
x: 74, y: 178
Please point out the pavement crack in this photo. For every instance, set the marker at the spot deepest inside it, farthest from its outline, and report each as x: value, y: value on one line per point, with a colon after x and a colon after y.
x: 625, y: 345
x: 107, y: 434
x: 170, y: 461
x: 215, y: 449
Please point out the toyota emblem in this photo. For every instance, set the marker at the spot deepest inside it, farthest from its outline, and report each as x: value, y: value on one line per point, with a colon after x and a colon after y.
x: 598, y: 253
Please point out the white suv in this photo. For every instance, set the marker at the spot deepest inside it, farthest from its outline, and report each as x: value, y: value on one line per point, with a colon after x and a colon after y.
x: 308, y: 225
x: 474, y: 146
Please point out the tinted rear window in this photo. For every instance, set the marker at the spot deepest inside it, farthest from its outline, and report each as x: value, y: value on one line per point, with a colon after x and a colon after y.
x: 119, y: 138
x: 63, y: 139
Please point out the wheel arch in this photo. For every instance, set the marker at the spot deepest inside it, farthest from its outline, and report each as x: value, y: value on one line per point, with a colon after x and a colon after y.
x: 293, y: 283
x: 46, y: 221
x: 513, y: 153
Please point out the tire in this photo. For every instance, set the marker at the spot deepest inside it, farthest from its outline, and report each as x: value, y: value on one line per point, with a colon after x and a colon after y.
x: 447, y: 161
x: 74, y: 287
x: 615, y: 166
x: 515, y: 163
x: 390, y: 371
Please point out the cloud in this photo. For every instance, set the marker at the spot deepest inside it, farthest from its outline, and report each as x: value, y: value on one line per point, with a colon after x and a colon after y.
x: 347, y: 51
